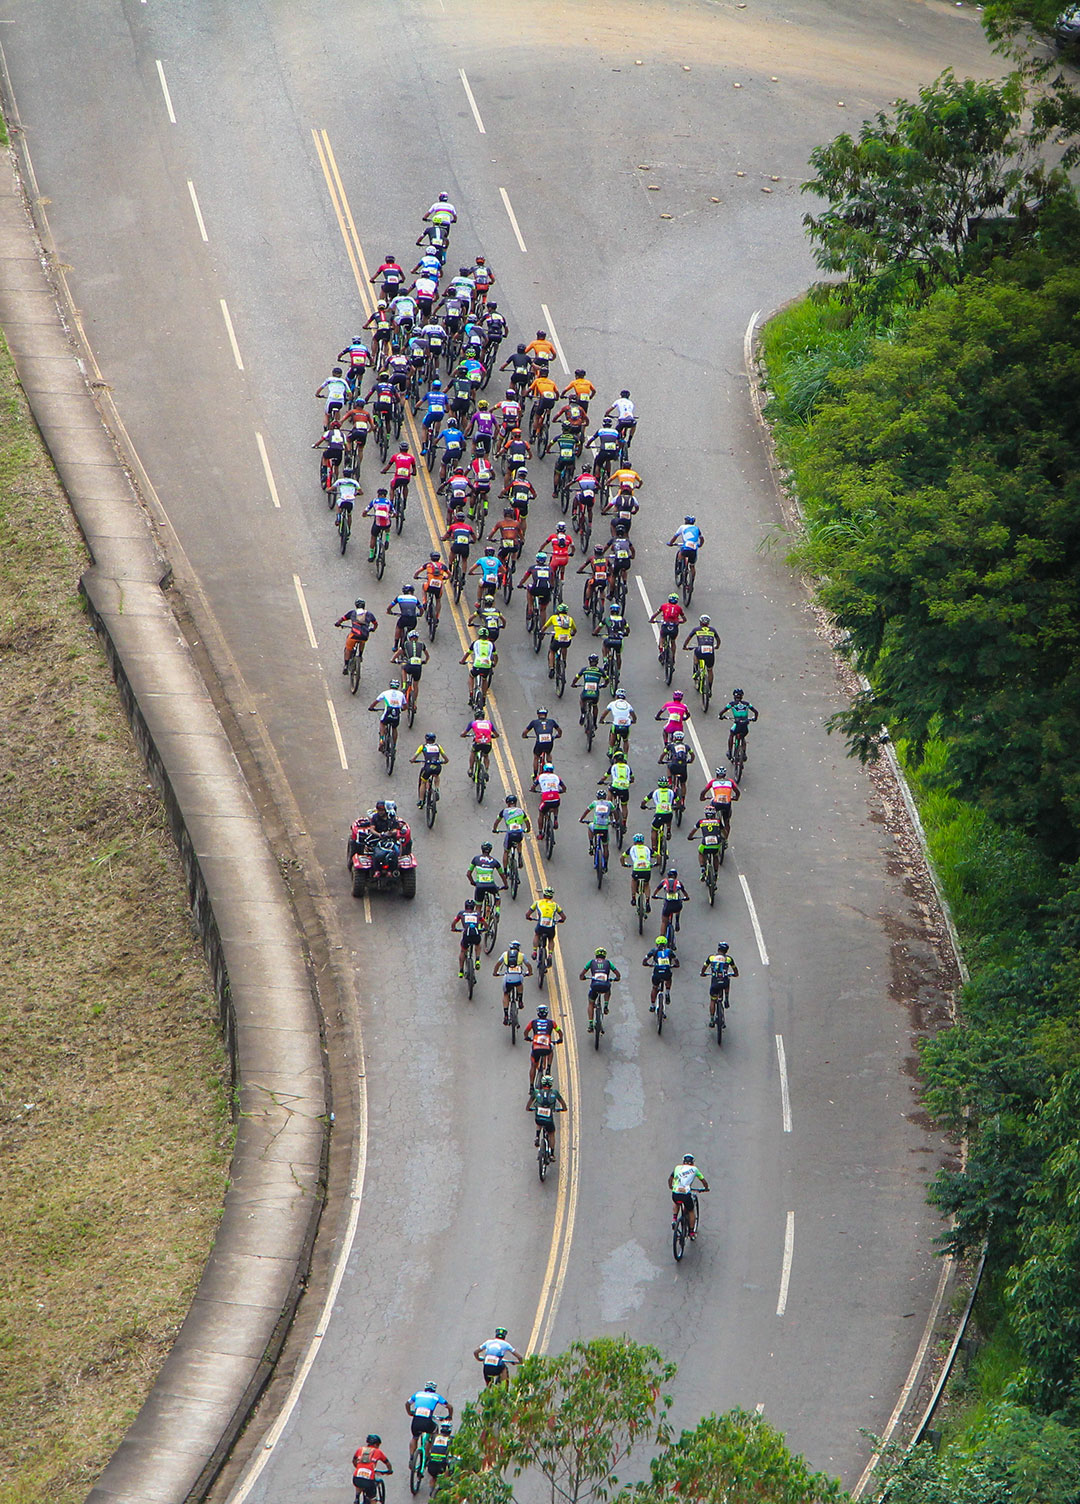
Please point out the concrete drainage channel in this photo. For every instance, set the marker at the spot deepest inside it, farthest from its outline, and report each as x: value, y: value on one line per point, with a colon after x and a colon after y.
x: 226, y: 1348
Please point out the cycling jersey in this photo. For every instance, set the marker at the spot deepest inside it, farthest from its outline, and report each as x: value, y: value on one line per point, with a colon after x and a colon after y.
x: 671, y: 613
x: 482, y: 732
x: 705, y: 641
x: 425, y: 287
x: 562, y: 628
x: 606, y: 441
x: 544, y: 730
x: 683, y: 1177
x: 495, y: 1350
x: 688, y: 537
x: 509, y: 414
x: 629, y: 478
x: 404, y: 310
x: 434, y: 755
x: 721, y: 790
x: 582, y: 388
x: 710, y: 833
x: 335, y: 389
x: 678, y: 759
x: 435, y: 575
x: 488, y: 569
x: 541, y: 1031
x: 677, y: 713
x: 546, y: 910
x: 567, y: 449
x: 549, y: 787
x: 599, y: 972
x: 380, y: 512
x: 663, y: 801
x: 541, y: 350
x: 453, y: 440
x: 347, y: 491
x: 357, y: 354
x: 560, y: 544
x: 621, y: 712
x: 366, y: 1459
x: 620, y: 553
x: 622, y: 410
x: 741, y: 710
x: 544, y: 387
x: 619, y: 777
x: 600, y: 810
x: 720, y: 966
x: 362, y: 623
x: 515, y: 820
x: 424, y: 1403
x: 545, y: 1102
x: 382, y: 396
x: 592, y: 680
x: 484, y: 872
x: 539, y: 580
x: 457, y: 492
x: 482, y: 651
x: 408, y: 606
x: 661, y: 959
x: 437, y: 403
x: 640, y: 859
x: 393, y: 702
x: 586, y: 483
x: 461, y: 534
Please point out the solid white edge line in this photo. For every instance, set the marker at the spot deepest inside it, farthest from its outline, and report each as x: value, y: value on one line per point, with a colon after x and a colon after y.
x: 758, y: 936
x: 198, y: 211
x: 472, y: 103
x: 367, y: 909
x: 165, y: 90
x: 232, y: 334
x: 274, y: 496
x: 550, y: 322
x: 305, y: 612
x: 513, y: 218
x: 337, y: 735
x: 785, y: 1272
x: 785, y: 1093
x: 748, y: 337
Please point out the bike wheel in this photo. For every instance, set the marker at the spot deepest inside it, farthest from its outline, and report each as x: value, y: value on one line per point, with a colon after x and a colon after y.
x: 641, y: 901
x: 600, y: 863
x: 355, y: 666
x: 410, y: 703
x: 720, y: 1025
x: 542, y: 965
x: 678, y: 1235
x: 560, y: 674
x: 391, y: 749
x: 470, y: 971
x: 598, y: 1022
x: 491, y: 930
x: 722, y: 853
x: 590, y: 725
x: 688, y: 584
x: 661, y: 1009
x: 537, y: 630
x: 512, y: 1009
x: 738, y: 759
x: 457, y: 577
x: 380, y: 557
x: 432, y: 619
x: 399, y: 518
x: 549, y: 839
x: 542, y: 1158
x: 384, y: 449
x: 431, y: 804
x: 417, y: 1463
x: 669, y: 660
x: 710, y: 880
x: 513, y: 875
x: 680, y: 806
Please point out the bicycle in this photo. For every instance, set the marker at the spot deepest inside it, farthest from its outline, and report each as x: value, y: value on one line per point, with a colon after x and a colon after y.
x: 328, y: 474
x: 512, y: 864
x: 479, y: 773
x: 618, y: 739
x: 457, y: 575
x: 667, y: 658
x: 489, y: 920
x: 344, y: 526
x: 660, y: 844
x: 470, y: 968
x: 626, y: 438
x: 685, y: 574
x: 593, y: 598
x: 388, y: 736
x: 702, y: 685
x: 513, y: 1008
x: 431, y: 801
x: 663, y: 1003
x: 543, y: 961
x: 598, y: 1021
x: 679, y: 803
x: 534, y: 623
x: 641, y: 902
x: 712, y: 872
x: 588, y: 721
x: 356, y: 663
x: 680, y: 1227
x: 737, y: 756
x: 620, y: 813
x: 599, y: 852
x: 544, y: 1154
x: 560, y: 667
x: 612, y: 663
x: 429, y: 451
x: 506, y: 577
x: 381, y: 434
x: 419, y: 1460
x: 431, y: 613
x: 399, y: 495
x: 412, y: 695
x: 380, y: 1491
x: 582, y: 520
x: 719, y: 1006
x: 381, y: 542
x: 541, y: 432
x: 546, y: 831
x: 478, y: 692
x: 617, y: 590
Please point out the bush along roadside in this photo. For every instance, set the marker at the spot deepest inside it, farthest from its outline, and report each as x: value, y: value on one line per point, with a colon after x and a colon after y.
x: 925, y: 411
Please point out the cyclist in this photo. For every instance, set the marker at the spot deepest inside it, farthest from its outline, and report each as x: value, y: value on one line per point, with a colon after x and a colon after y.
x: 688, y: 539
x: 626, y: 478
x: 333, y: 442
x: 493, y: 1354
x: 436, y: 406
x: 519, y: 364
x: 723, y: 791
x: 677, y: 757
x: 719, y: 968
x: 600, y: 973
x: 334, y: 391
x: 467, y: 919
x: 486, y: 874
x: 574, y: 417
x: 545, y: 394
x: 366, y: 1469
x: 543, y: 1034
x: 620, y: 776
x: 639, y: 857
x: 381, y: 327
x: 538, y: 582
x: 381, y: 511
x: 399, y: 365
x: 705, y: 639
x: 442, y: 212
x: 583, y: 495
x: 403, y: 309
x: 435, y: 337
x: 437, y: 237
x: 742, y: 713
x: 392, y: 276
x: 425, y: 289
x: 615, y: 629
x: 520, y: 491
x: 461, y: 395
x: 356, y: 424
x: 483, y: 279
x: 457, y: 490
x: 681, y: 1185
x: 674, y: 895
x: 481, y: 477
x: 508, y: 414
x: 671, y: 617
x: 674, y: 713
x: 598, y: 569
x: 346, y: 489
x: 362, y: 623
x: 435, y: 575
x: 605, y: 443
x: 422, y: 1407
x: 580, y: 389
x: 542, y: 349
x: 495, y: 331
x: 563, y: 629
x: 710, y: 832
x: 488, y: 616
x: 383, y: 397
x: 546, y: 1102
x: 663, y: 961
x: 508, y: 534
x: 547, y: 914
x: 622, y: 411
x: 513, y: 968
x: 406, y: 607
x: 481, y: 428
x: 483, y: 731
x: 550, y: 788
x: 622, y: 506
x: 622, y: 716
x: 412, y: 655
x: 662, y: 801
x: 545, y: 732
x: 390, y: 704
x: 591, y: 680
x: 514, y: 821
x: 357, y: 357
x: 561, y: 546
x: 460, y: 534
x: 481, y: 657
x: 487, y: 567
x: 432, y: 760
x: 452, y: 440
x: 440, y: 1459
x: 598, y: 818
x: 621, y: 552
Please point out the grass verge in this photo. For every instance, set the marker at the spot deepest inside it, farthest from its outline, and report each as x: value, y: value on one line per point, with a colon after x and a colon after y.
x: 115, y: 1133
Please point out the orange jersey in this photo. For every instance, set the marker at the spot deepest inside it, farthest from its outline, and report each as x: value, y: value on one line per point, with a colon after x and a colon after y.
x: 581, y: 387
x: 436, y: 574
x: 543, y: 386
x: 541, y: 349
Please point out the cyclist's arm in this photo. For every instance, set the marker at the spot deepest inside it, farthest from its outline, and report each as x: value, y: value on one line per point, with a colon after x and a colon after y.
x: 616, y: 974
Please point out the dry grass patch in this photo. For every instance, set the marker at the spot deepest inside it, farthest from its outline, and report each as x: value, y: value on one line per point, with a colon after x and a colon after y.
x: 114, y: 1126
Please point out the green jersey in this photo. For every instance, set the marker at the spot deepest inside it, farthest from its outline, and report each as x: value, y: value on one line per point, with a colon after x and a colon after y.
x: 619, y: 776
x: 591, y: 680
x: 641, y: 858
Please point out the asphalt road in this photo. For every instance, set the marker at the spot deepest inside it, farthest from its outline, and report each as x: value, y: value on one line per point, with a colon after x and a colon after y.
x: 152, y: 125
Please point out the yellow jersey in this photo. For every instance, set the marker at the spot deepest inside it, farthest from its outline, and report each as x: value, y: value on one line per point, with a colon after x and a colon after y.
x: 562, y: 628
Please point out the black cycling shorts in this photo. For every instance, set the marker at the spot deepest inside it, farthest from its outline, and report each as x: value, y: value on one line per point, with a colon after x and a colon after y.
x: 422, y: 1424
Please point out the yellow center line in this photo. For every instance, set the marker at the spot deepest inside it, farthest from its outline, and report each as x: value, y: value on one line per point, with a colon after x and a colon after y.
x: 567, y: 1196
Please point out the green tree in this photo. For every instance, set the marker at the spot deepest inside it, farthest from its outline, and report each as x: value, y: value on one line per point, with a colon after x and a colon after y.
x: 570, y: 1419
x: 1024, y: 31
x: 1009, y: 1455
x: 734, y: 1458
x: 907, y: 197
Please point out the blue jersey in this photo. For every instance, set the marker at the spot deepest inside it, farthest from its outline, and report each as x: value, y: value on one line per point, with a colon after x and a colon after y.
x: 488, y: 569
x: 453, y: 440
x: 437, y: 402
x: 689, y: 535
x: 425, y: 1403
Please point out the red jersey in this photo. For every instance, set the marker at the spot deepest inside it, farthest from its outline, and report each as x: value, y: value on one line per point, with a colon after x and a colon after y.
x: 365, y: 1460
x: 560, y: 545
x: 381, y: 513
x: 671, y: 611
x: 482, y: 732
x: 404, y: 465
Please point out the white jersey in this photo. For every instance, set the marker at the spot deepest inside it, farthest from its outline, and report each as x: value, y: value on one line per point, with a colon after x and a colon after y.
x: 442, y: 207
x: 391, y: 699
x: 683, y: 1177
x: 548, y: 784
x: 623, y: 409
x: 621, y: 712
x: 335, y: 389
x: 495, y: 1350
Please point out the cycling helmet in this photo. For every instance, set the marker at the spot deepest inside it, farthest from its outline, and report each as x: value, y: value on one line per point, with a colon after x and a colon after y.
x: 676, y: 736
x: 485, y: 847
x: 522, y: 472
x: 736, y: 694
x: 720, y: 773
x: 601, y: 792
x: 688, y: 1159
x: 704, y: 619
x: 594, y: 659
x: 395, y: 683
x: 690, y: 520
x: 390, y: 258
x: 510, y: 798
x: 600, y: 952
x: 470, y: 903
x: 337, y: 371
x: 429, y: 736
x: 359, y: 605
x: 545, y: 1080
x: 549, y: 767
x: 380, y: 804
x: 678, y: 695
x: 541, y: 1010
x: 492, y: 305
x: 625, y: 392
x: 541, y: 557
x: 481, y: 633
x: 463, y: 271
x: 662, y: 942
x: 673, y: 599
x: 722, y: 947
x: 542, y: 710
x: 511, y: 395
x: 500, y: 1333
x: 541, y: 334
x: 664, y: 782
x: 382, y: 491
x: 560, y: 527
x: 444, y: 198
x: 639, y: 838
x: 433, y: 557
x: 548, y: 892
x: 409, y: 589
x: 482, y: 405
x: 373, y: 1440
x: 391, y: 807
x: 515, y: 433
x: 520, y: 350
x: 673, y: 872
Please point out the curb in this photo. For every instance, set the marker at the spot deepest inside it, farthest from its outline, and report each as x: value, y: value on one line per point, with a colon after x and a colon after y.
x: 225, y: 1350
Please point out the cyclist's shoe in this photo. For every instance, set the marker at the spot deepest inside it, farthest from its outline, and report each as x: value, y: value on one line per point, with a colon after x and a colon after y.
x: 693, y: 1237
x: 461, y: 975
x: 506, y: 1018
x: 605, y: 1007
x: 345, y: 669
x: 652, y: 1007
x: 536, y: 1142
x: 590, y: 1026
x: 712, y: 1021
x: 551, y: 673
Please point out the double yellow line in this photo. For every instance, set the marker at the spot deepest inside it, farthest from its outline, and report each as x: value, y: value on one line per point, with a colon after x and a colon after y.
x: 566, y: 1199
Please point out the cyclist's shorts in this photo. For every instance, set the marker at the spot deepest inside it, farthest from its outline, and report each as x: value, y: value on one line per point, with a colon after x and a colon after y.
x: 545, y: 931
x: 708, y: 659
x: 462, y: 548
x: 599, y: 989
x: 547, y: 1121
x: 689, y: 554
x: 479, y: 889
x: 494, y: 1370
x: 669, y: 629
x: 717, y: 986
x: 514, y: 837
x: 334, y: 451
x: 345, y: 505
x: 683, y: 1198
x: 539, y: 1051
x: 391, y: 716
x: 358, y: 436
x: 367, y: 1488
x: 663, y: 819
x: 422, y: 1423
x: 672, y: 906
x: 413, y: 670
x: 661, y: 974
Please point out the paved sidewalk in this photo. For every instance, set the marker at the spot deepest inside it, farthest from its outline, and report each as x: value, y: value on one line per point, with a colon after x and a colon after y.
x: 226, y: 1347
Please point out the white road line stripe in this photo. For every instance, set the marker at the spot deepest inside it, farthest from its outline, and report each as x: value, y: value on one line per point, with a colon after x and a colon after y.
x: 549, y: 321
x: 367, y: 909
x: 758, y: 936
x: 198, y: 211
x: 337, y: 735
x: 513, y: 218
x: 785, y: 1272
x: 232, y: 335
x: 472, y: 103
x: 165, y: 90
x: 748, y: 337
x: 698, y: 748
x: 273, y: 489
x: 305, y: 613
x: 785, y: 1094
